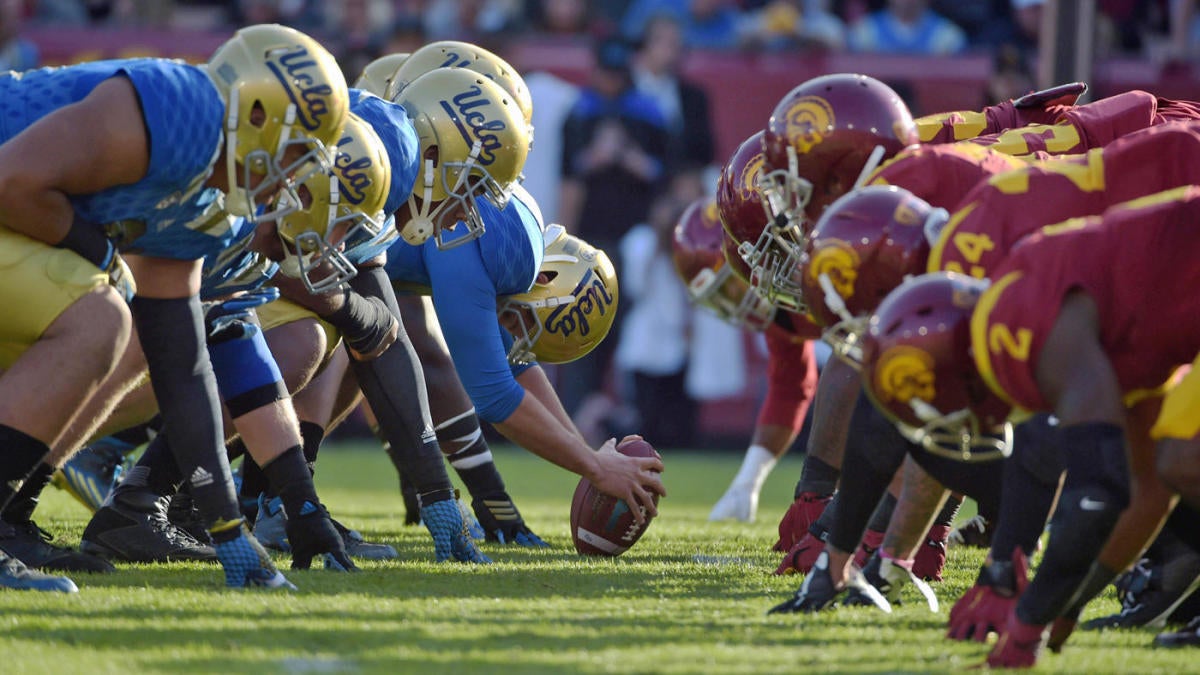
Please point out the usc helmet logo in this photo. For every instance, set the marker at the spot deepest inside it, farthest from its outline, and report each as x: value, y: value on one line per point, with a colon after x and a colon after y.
x: 905, y: 373
x: 710, y: 217
x: 807, y: 121
x: 906, y: 215
x: 838, y: 260
x: 751, y: 174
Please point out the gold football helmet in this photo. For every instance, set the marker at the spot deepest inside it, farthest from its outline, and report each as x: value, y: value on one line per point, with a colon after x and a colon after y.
x: 337, y: 209
x: 454, y: 54
x: 474, y: 141
x: 571, y: 306
x: 282, y: 90
x: 376, y: 77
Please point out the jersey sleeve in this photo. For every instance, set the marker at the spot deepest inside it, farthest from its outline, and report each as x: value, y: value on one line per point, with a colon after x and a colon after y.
x: 464, y: 298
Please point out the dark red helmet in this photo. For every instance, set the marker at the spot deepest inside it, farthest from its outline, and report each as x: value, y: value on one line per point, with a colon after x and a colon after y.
x: 821, y: 136
x: 698, y: 252
x: 919, y: 371
x: 864, y: 246
x: 770, y: 248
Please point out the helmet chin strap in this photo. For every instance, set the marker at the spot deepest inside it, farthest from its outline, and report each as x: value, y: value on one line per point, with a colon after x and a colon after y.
x: 420, y: 227
x: 237, y: 200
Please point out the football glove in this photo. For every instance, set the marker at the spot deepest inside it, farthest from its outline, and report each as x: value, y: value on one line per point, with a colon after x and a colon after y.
x: 985, y: 606
x: 311, y: 534
x: 233, y: 318
x: 450, y: 536
x: 245, y: 561
x: 930, y: 559
x: 803, y: 512
x: 1019, y: 644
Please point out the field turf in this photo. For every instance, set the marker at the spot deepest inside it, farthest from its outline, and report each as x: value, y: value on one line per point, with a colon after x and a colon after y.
x: 691, y: 597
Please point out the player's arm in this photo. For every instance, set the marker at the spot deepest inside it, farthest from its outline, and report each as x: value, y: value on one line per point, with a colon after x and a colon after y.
x: 921, y: 496
x: 78, y: 149
x: 535, y: 383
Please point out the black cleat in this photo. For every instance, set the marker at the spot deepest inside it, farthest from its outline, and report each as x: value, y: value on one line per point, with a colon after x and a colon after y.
x: 32, y: 545
x: 1188, y: 637
x: 182, y: 513
x: 975, y: 533
x: 502, y: 522
x: 133, y: 527
x: 1152, y: 592
x: 15, y: 575
x: 357, y: 547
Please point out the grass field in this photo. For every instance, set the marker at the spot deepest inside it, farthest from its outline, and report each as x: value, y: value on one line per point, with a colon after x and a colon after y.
x: 691, y: 597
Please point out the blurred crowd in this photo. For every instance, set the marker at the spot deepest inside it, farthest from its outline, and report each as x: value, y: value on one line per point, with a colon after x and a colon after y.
x: 619, y: 156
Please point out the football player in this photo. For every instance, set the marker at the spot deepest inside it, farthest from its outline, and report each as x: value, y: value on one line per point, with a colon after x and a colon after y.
x: 75, y: 163
x: 1088, y: 355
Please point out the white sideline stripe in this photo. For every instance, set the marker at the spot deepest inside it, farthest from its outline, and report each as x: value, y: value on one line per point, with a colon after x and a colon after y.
x: 600, y: 542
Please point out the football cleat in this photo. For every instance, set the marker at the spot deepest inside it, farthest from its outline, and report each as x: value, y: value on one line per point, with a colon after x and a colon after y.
x: 182, y: 513
x: 738, y: 503
x: 92, y: 473
x: 975, y: 533
x: 501, y: 522
x: 450, y: 536
x: 33, y: 546
x: 358, y: 547
x: 15, y: 575
x: 271, y: 527
x: 1153, y: 592
x: 1188, y: 637
x: 133, y: 527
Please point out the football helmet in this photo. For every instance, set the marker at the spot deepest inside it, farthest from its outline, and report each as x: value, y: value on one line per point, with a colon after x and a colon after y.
x: 454, y: 54
x: 338, y: 208
x: 863, y: 246
x: 700, y: 262
x: 571, y: 306
x: 474, y: 141
x: 376, y: 76
x: 825, y: 136
x: 281, y: 90
x: 919, y: 371
x: 771, y: 247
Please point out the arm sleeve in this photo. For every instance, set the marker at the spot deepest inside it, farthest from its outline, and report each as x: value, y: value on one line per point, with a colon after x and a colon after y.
x: 791, y: 381
x: 464, y: 298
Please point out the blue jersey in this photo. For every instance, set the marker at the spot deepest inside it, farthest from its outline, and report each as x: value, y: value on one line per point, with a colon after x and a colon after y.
x: 163, y: 214
x: 235, y: 268
x: 466, y: 282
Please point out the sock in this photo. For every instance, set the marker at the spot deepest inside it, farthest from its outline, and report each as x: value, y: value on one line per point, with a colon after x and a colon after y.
x: 949, y: 511
x: 756, y: 466
x: 155, y: 470
x: 22, y: 454
x: 20, y: 508
x: 312, y: 434
x: 289, y: 477
x: 473, y: 463
x: 817, y: 476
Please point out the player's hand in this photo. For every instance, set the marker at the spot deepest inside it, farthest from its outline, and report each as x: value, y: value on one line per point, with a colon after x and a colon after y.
x: 450, y: 536
x: 312, y: 534
x: 871, y: 541
x: 803, y: 512
x: 232, y: 318
x: 245, y: 561
x: 633, y: 480
x: 930, y: 558
x: 802, y: 556
x: 1019, y: 644
x: 985, y: 607
x: 1063, y: 94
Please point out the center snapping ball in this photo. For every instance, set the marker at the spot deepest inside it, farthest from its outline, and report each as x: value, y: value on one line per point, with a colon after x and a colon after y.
x: 603, y: 525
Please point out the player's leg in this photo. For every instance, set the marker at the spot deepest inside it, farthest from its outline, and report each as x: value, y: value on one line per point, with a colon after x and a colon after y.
x: 458, y: 430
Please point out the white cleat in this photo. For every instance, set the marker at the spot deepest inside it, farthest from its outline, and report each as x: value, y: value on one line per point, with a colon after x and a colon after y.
x: 737, y: 504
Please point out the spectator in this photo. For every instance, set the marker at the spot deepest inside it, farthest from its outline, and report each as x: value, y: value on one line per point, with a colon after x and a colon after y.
x: 793, y: 24
x: 707, y: 24
x: 906, y: 27
x: 16, y: 53
x: 355, y: 38
x: 652, y: 346
x: 470, y: 19
x: 553, y: 99
x: 1011, y: 76
x: 613, y: 157
x: 656, y: 73
x: 566, y: 18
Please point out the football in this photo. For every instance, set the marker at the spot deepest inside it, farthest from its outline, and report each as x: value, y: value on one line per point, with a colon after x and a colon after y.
x: 603, y: 525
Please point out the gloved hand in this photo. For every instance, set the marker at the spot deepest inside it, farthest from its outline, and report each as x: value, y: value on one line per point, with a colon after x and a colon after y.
x: 230, y: 319
x: 502, y: 522
x: 872, y: 540
x: 245, y: 561
x: 1019, y: 644
x: 311, y: 534
x: 120, y: 278
x: 801, y: 558
x: 1063, y: 94
x: 985, y: 606
x: 450, y: 536
x: 889, y: 576
x: 803, y: 512
x: 930, y: 558
x: 818, y: 592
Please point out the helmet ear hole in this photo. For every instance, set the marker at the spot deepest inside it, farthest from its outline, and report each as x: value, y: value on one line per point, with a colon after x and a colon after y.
x: 433, y: 154
x: 547, y: 277
x: 258, y: 115
x: 306, y: 197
